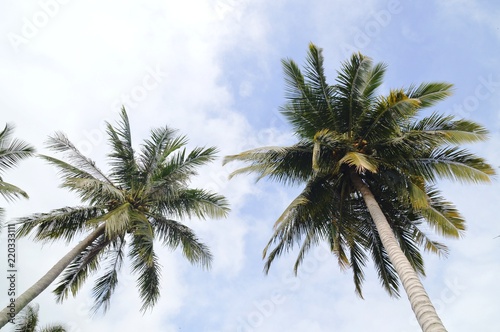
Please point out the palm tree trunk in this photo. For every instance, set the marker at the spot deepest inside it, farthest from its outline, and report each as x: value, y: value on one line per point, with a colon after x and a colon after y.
x: 421, y: 304
x: 45, y: 281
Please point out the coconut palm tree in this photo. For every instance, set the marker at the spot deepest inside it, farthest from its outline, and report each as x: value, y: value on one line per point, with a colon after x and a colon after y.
x: 369, y: 164
x: 27, y: 321
x: 12, y: 150
x: 138, y: 202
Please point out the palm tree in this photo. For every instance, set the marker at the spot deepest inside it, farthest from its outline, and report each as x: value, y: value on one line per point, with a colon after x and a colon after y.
x: 12, y: 151
x: 138, y: 202
x: 369, y: 164
x: 27, y: 321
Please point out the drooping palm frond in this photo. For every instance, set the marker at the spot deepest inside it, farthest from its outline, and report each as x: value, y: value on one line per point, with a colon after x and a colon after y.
x: 174, y: 234
x: 352, y: 83
x: 82, y: 266
x: 10, y: 191
x: 145, y: 264
x: 106, y: 284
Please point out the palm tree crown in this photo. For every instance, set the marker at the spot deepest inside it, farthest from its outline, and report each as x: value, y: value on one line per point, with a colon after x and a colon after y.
x: 350, y: 138
x: 136, y: 203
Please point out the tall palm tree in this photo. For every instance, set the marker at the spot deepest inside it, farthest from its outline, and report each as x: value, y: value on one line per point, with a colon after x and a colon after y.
x: 12, y: 150
x: 369, y: 164
x: 27, y: 321
x: 137, y: 203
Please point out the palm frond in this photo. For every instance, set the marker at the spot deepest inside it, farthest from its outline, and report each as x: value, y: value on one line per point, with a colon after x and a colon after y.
x: 157, y: 148
x: 448, y: 130
x: 145, y: 263
x: 451, y: 163
x: 289, y: 165
x: 430, y: 93
x: 94, y: 191
x: 106, y: 284
x: 360, y: 161
x: 78, y: 163
x: 173, y: 234
x: 10, y: 191
x: 352, y: 80
x: 85, y: 263
x: 27, y: 320
x: 64, y: 223
x: 196, y: 202
x: 443, y: 215
x: 12, y: 150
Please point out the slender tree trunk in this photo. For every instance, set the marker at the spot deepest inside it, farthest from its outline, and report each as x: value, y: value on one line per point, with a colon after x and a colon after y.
x: 45, y: 281
x: 421, y: 304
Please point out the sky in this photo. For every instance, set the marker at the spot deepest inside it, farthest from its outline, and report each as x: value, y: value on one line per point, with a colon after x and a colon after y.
x: 212, y: 70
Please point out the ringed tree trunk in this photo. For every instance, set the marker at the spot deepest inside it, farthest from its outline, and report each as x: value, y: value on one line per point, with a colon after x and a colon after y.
x: 420, y: 302
x: 29, y: 295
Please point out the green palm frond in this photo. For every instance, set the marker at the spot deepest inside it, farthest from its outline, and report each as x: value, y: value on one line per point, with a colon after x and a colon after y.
x: 27, y: 319
x: 78, y: 163
x: 173, y: 234
x: 442, y: 215
x: 357, y: 263
x: 352, y: 81
x: 304, y: 109
x: 64, y: 223
x: 12, y: 150
x: 429, y: 245
x: 430, y: 93
x: 85, y: 264
x: 10, y: 191
x: 196, y: 202
x: 123, y: 164
x: 94, y: 191
x: 444, y: 129
x: 145, y: 264
x: 155, y: 150
x: 290, y: 165
x: 451, y: 163
x: 106, y: 284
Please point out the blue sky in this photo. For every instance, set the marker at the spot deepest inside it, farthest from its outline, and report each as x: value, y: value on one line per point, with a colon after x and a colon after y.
x: 212, y: 70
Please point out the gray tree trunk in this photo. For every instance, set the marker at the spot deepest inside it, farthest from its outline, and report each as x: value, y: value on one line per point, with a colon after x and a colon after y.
x: 420, y: 302
x: 45, y: 281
